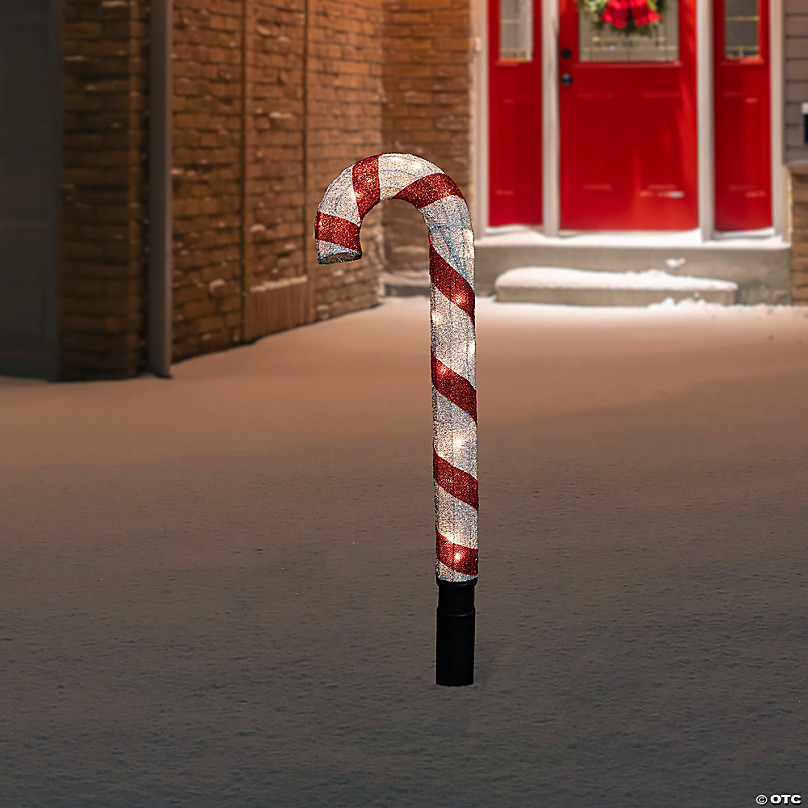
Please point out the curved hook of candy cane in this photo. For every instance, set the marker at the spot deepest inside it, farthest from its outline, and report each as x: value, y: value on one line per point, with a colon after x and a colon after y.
x: 392, y: 176
x: 451, y: 263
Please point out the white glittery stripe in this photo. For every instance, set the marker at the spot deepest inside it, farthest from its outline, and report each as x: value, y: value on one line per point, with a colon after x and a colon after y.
x: 448, y: 210
x: 456, y: 247
x: 456, y: 520
x: 454, y: 434
x: 453, y: 341
x: 397, y: 171
x: 340, y: 198
x: 448, y: 574
x: 451, y: 234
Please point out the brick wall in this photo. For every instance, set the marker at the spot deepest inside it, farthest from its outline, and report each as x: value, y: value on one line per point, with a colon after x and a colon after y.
x: 799, y: 234
x: 102, y: 262
x: 277, y: 292
x: 427, y: 108
x: 272, y: 99
x: 344, y: 103
x: 207, y: 174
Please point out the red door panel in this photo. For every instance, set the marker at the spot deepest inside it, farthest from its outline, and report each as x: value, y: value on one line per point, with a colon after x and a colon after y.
x: 628, y: 136
x: 514, y: 93
x: 742, y: 126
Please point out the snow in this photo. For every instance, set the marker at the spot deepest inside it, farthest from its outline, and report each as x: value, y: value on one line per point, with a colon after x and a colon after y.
x: 218, y: 590
x: 686, y: 313
x: 519, y: 236
x: 562, y: 278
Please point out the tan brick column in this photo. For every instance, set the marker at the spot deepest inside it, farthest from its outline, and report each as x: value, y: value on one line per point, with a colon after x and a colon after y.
x: 277, y: 292
x: 344, y: 119
x: 799, y: 234
x: 102, y: 261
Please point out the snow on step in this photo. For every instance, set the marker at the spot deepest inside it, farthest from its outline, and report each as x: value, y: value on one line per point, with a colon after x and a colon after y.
x: 580, y: 287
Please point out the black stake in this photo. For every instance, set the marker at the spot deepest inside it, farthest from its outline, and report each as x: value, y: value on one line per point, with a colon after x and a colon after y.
x: 455, y: 641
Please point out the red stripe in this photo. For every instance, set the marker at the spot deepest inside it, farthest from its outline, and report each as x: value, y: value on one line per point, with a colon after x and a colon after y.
x: 338, y: 231
x: 455, y: 556
x: 429, y: 189
x: 455, y: 387
x: 454, y: 481
x: 446, y: 278
x: 366, y: 184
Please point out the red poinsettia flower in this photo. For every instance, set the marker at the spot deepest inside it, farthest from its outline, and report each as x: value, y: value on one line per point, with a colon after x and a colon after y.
x: 617, y: 11
x: 642, y: 14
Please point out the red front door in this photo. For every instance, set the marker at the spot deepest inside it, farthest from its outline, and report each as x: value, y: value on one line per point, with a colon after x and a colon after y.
x: 628, y: 136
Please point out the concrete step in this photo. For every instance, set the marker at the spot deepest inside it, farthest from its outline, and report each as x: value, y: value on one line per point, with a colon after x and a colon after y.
x: 576, y: 287
x: 759, y: 265
x: 405, y: 284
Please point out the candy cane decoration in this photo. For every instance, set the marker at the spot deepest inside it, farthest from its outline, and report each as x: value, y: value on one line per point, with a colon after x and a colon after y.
x: 454, y: 396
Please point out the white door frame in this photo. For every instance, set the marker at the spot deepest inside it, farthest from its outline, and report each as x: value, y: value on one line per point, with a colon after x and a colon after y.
x: 551, y: 151
x: 777, y: 112
x: 705, y: 118
x: 550, y: 117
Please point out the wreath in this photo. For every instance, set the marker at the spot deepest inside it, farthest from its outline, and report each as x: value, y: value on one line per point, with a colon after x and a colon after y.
x: 625, y: 16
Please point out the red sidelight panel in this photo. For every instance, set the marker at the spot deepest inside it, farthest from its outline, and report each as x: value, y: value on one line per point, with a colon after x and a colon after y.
x: 628, y: 131
x: 742, y: 123
x: 514, y: 92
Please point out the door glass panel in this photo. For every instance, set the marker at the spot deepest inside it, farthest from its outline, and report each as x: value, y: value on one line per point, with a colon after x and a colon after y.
x: 605, y: 44
x: 516, y: 30
x: 741, y: 23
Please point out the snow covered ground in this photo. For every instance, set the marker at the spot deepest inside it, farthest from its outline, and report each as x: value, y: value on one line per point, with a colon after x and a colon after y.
x: 562, y: 278
x: 218, y: 590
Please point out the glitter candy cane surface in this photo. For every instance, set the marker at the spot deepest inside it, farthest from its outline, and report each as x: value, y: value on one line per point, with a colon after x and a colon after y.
x: 451, y: 268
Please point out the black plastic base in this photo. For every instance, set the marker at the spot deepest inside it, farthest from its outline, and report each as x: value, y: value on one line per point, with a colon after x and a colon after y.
x: 455, y: 642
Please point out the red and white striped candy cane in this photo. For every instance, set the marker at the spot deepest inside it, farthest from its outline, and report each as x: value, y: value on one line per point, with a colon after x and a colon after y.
x: 451, y: 267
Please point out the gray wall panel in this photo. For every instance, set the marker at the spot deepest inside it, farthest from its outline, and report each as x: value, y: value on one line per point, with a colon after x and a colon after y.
x: 29, y: 177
